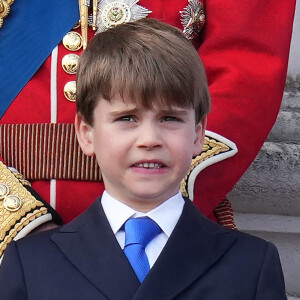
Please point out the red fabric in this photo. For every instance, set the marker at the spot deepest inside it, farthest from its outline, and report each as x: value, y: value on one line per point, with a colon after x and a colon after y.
x: 245, y: 56
x: 244, y: 47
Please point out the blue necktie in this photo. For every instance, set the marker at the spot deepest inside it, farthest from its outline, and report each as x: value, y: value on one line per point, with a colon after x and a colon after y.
x: 138, y: 234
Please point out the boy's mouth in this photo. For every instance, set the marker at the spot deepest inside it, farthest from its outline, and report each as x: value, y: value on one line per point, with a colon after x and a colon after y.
x: 149, y: 165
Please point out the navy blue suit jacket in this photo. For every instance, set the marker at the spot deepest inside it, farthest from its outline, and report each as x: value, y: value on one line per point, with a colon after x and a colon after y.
x: 83, y: 260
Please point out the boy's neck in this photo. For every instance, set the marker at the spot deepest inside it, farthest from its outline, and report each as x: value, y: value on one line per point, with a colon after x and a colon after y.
x: 141, y: 206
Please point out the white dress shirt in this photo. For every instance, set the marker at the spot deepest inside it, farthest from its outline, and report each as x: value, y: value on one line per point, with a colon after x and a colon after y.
x: 165, y: 215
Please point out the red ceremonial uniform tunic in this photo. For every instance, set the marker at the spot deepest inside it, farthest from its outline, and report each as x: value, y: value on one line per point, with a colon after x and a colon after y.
x: 244, y: 46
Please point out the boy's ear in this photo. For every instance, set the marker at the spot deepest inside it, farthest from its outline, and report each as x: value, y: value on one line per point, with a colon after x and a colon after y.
x: 84, y: 134
x: 199, y: 136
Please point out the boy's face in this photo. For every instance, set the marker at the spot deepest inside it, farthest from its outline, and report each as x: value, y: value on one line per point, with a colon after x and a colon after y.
x: 143, y: 154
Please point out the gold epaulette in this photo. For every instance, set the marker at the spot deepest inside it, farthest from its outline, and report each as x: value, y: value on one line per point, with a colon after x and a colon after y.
x: 18, y: 207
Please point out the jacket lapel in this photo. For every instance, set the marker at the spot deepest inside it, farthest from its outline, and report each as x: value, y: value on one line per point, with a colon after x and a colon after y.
x: 90, y: 245
x: 194, y: 246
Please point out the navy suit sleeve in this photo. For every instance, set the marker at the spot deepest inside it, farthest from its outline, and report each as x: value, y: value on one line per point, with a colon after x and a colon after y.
x: 271, y: 282
x: 12, y: 283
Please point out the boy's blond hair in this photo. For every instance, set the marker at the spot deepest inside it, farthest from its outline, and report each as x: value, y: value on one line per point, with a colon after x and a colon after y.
x: 148, y: 62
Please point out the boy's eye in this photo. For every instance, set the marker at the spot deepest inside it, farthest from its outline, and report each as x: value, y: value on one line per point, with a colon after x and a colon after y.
x: 126, y: 119
x: 170, y: 119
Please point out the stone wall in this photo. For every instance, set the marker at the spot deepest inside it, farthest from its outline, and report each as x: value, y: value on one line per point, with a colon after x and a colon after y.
x: 266, y: 200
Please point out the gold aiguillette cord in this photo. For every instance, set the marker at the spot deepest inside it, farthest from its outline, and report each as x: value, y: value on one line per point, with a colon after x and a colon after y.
x: 83, y: 9
x: 95, y: 10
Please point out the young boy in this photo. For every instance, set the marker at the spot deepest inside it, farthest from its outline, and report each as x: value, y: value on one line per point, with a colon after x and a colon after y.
x: 142, y: 100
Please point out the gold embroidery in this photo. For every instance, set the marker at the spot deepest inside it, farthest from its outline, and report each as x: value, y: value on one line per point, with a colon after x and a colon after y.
x: 21, y: 178
x: 211, y: 148
x: 19, y: 210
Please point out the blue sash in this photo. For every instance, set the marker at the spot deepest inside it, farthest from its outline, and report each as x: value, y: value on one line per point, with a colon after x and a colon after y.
x: 29, y: 33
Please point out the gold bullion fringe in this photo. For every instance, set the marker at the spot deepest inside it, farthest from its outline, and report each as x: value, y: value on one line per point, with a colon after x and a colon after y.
x: 46, y: 151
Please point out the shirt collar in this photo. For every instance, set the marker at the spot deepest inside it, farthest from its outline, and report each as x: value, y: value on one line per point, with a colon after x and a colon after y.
x: 165, y: 215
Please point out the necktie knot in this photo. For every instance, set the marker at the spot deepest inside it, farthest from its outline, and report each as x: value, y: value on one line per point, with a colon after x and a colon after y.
x: 140, y: 231
x: 138, y: 234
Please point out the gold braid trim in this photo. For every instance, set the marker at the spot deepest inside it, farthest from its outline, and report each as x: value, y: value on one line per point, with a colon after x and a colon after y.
x: 21, y: 178
x: 4, y: 9
x: 11, y: 222
x: 211, y: 148
x: 19, y: 226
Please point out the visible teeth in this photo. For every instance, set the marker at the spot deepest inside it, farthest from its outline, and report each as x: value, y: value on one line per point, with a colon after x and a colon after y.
x: 149, y: 165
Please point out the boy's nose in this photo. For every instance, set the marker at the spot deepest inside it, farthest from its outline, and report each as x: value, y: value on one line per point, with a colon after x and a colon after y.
x: 149, y: 136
